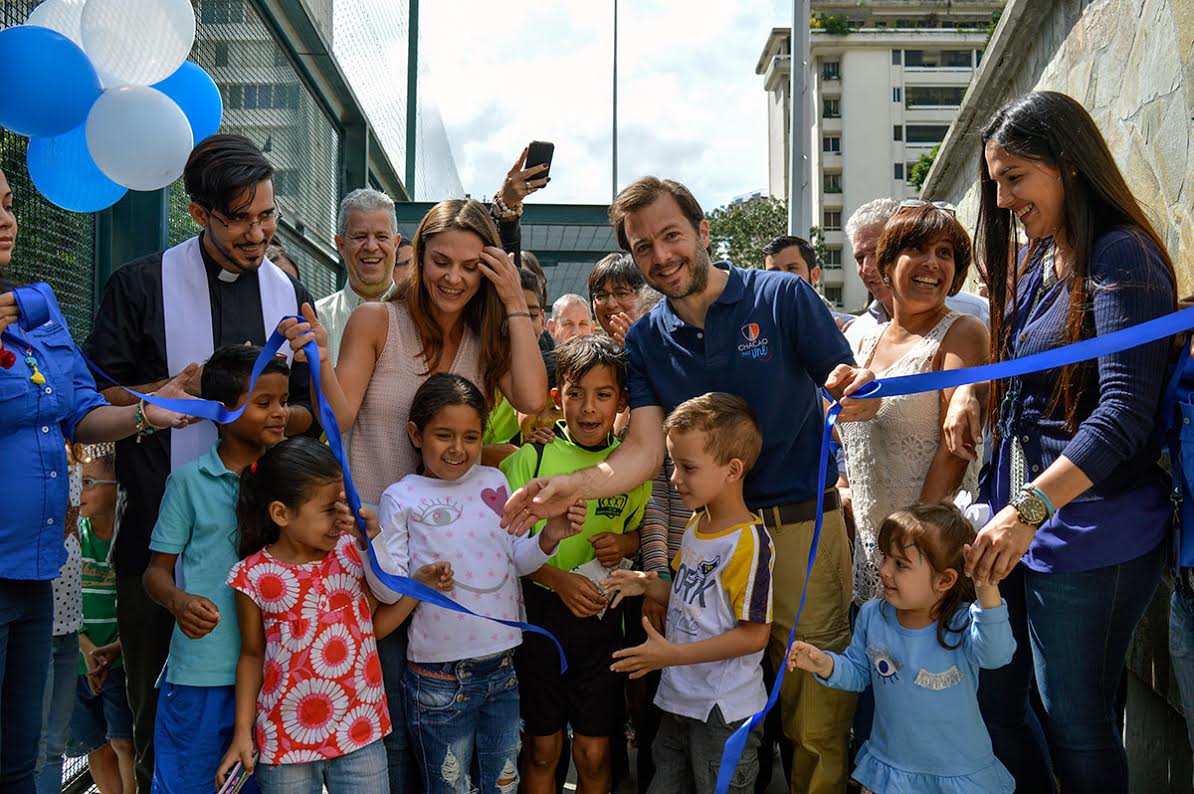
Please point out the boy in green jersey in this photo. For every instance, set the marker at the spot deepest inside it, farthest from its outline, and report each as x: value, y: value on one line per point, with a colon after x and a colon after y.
x: 563, y: 596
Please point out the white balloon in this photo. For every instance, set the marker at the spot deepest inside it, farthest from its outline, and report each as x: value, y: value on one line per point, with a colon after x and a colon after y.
x: 64, y: 16
x: 137, y: 42
x: 139, y: 137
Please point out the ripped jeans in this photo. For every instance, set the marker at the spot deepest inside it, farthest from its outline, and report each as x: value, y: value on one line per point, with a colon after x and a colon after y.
x: 463, y: 719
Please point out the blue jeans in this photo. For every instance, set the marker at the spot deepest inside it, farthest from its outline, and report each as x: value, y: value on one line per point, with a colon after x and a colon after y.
x: 1181, y: 649
x: 57, y: 707
x: 1078, y: 626
x: 461, y: 712
x: 400, y: 759
x: 26, y: 620
x: 360, y: 771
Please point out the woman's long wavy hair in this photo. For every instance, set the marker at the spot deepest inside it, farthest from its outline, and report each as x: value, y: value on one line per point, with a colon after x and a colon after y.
x: 1056, y: 130
x: 484, y: 314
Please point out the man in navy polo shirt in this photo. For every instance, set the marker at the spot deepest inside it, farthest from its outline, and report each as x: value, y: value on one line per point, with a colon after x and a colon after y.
x: 768, y: 338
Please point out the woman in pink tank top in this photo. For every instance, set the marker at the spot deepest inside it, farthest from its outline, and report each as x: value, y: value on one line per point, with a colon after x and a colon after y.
x: 462, y: 310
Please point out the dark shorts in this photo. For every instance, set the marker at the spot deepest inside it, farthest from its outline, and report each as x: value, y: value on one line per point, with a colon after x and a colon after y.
x: 98, y: 719
x: 588, y: 696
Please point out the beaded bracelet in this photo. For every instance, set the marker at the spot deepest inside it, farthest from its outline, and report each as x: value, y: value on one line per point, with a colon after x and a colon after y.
x: 503, y: 209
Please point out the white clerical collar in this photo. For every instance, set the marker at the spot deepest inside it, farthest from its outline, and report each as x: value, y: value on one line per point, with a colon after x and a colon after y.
x: 227, y: 276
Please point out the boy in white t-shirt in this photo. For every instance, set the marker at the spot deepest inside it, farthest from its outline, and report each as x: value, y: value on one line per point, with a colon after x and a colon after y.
x: 718, y: 602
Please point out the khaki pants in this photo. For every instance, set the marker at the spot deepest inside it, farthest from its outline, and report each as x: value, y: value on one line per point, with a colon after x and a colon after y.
x: 815, y: 718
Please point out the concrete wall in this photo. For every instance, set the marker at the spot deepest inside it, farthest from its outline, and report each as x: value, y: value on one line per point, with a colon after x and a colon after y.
x: 1131, y: 64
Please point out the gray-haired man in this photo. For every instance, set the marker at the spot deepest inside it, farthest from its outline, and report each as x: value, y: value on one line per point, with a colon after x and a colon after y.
x: 367, y: 239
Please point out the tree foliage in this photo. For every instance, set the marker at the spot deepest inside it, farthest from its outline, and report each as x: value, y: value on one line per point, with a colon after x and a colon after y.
x: 834, y: 26
x: 920, y: 169
x: 816, y: 237
x: 739, y: 231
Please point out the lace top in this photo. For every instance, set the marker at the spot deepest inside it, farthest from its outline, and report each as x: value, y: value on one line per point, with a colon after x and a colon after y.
x: 889, y: 456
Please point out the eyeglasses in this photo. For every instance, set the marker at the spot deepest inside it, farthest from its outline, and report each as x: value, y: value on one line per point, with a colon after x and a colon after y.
x: 268, y: 220
x: 89, y: 483
x: 944, y: 206
x: 620, y: 295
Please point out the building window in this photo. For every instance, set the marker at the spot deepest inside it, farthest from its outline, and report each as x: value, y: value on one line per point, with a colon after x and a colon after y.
x: 933, y: 96
x: 219, y: 55
x: 897, y: 132
x: 834, y: 295
x: 831, y: 144
x: 934, y: 59
x: 927, y: 133
x: 956, y: 58
x: 832, y: 221
x: 263, y: 96
x: 898, y: 171
x: 833, y: 258
x: 831, y: 70
x: 222, y: 11
x: 832, y: 109
x: 897, y: 57
x: 833, y: 183
x: 897, y: 94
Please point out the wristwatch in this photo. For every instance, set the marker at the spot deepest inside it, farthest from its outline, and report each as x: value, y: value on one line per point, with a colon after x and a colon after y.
x: 1033, y: 506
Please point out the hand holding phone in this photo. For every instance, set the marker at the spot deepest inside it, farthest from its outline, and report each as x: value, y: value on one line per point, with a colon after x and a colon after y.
x: 540, y: 153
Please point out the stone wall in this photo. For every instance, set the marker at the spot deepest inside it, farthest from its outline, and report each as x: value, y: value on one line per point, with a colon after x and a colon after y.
x: 1131, y: 64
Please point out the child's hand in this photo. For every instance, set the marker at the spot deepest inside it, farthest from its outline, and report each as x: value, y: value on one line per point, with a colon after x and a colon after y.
x: 541, y: 435
x: 987, y: 593
x: 610, y: 548
x: 807, y: 657
x: 96, y: 680
x: 628, y: 583
x: 438, y: 575
x: 565, y: 525
x: 580, y: 595
x: 105, y: 655
x: 653, y: 654
x: 196, y: 616
x: 241, y: 750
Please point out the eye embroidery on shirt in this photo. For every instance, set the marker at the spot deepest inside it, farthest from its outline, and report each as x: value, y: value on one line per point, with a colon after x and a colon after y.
x: 939, y: 681
x: 437, y: 512
x: 884, y: 663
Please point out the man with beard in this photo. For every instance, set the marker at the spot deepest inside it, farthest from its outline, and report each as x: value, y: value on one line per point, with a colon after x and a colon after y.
x: 158, y: 314
x: 367, y: 239
x: 768, y: 338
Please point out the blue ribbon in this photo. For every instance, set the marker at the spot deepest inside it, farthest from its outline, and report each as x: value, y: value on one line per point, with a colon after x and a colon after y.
x: 216, y: 412
x: 1116, y: 342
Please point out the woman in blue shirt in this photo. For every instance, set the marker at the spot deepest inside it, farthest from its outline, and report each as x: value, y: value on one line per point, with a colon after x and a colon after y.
x: 1082, y: 508
x: 47, y: 397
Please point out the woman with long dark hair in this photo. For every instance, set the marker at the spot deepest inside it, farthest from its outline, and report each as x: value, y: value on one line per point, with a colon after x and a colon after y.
x: 1081, y: 507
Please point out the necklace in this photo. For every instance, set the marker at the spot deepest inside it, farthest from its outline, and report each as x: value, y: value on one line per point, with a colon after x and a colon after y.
x: 7, y: 359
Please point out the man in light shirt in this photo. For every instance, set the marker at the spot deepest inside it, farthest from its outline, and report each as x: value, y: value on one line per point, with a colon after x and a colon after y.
x: 367, y: 239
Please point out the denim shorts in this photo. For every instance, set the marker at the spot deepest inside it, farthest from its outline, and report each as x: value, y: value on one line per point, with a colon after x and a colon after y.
x: 98, y: 719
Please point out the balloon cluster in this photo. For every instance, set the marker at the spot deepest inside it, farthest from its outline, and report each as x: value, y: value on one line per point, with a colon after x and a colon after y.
x: 107, y: 97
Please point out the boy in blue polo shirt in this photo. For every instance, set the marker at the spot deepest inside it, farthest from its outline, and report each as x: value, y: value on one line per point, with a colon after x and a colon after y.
x: 197, y: 526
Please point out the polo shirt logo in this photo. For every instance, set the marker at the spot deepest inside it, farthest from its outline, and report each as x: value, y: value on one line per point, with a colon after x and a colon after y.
x: 691, y: 584
x: 611, y: 506
x: 756, y: 346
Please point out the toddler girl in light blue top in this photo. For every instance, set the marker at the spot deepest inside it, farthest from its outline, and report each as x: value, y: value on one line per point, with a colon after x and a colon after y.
x: 920, y: 649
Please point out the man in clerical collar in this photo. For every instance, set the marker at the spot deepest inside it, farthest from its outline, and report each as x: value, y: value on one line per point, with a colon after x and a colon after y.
x: 158, y: 314
x: 367, y: 239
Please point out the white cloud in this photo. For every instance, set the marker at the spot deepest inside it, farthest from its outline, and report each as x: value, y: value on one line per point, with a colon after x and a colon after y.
x: 690, y: 106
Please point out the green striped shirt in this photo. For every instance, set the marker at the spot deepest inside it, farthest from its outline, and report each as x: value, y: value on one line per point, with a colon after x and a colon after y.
x: 99, y: 591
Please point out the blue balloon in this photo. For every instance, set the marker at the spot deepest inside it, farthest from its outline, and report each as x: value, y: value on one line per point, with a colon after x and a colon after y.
x: 193, y: 90
x: 62, y: 169
x: 50, y: 85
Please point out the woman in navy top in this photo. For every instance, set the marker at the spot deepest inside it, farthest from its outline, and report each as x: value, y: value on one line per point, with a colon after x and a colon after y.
x: 47, y: 397
x: 1081, y: 504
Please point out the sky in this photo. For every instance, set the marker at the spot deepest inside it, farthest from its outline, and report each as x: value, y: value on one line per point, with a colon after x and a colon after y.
x: 690, y: 106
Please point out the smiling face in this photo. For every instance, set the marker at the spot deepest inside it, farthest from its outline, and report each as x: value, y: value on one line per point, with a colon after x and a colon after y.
x: 909, y: 580
x: 8, y: 222
x: 1031, y: 189
x: 313, y: 523
x: 698, y: 477
x: 368, y: 248
x: 668, y: 250
x: 866, y: 259
x: 238, y: 240
x: 264, y: 420
x: 614, y: 297
x: 922, y: 276
x: 451, y: 270
x: 98, y: 499
x: 450, y: 443
x: 590, y: 405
